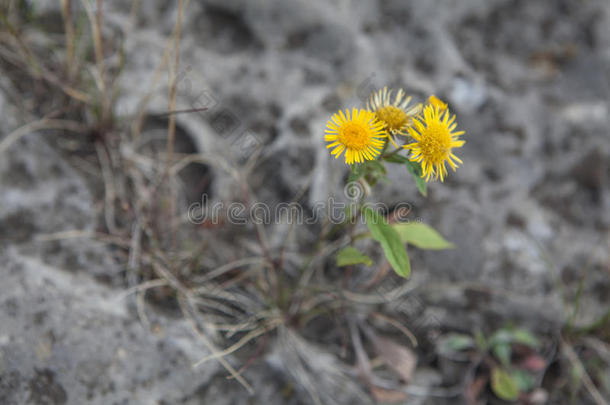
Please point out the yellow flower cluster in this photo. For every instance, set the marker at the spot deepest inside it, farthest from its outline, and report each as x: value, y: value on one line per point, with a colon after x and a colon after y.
x: 364, y: 133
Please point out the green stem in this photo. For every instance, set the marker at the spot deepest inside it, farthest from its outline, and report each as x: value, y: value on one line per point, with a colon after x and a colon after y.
x: 394, y: 152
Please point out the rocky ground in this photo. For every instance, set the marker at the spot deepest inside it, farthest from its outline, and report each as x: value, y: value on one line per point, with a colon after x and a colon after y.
x: 529, y: 211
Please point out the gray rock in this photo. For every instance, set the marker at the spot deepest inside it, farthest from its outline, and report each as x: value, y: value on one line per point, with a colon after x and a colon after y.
x: 68, y: 340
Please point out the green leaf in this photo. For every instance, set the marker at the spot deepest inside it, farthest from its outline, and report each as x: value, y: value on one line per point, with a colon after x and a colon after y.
x: 416, y: 171
x: 503, y: 385
x: 501, y: 336
x: 480, y: 340
x: 524, y: 337
x: 502, y: 352
x: 456, y: 342
x: 523, y: 379
x: 350, y: 256
x: 511, y: 335
x: 422, y: 236
x: 393, y: 248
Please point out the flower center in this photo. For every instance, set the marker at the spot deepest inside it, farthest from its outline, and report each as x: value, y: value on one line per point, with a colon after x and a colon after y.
x: 354, y: 135
x: 393, y: 117
x: 435, y: 143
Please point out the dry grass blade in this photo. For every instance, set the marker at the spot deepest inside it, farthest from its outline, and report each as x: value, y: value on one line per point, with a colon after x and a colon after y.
x: 231, y: 266
x: 205, y: 158
x: 42, y: 124
x: 70, y: 91
x: 187, y: 313
x: 170, y: 278
x: 95, y: 20
x: 32, y: 61
x: 141, y: 309
x: 176, y: 112
x: 184, y: 299
x: 216, y: 291
x: 66, y: 10
x: 271, y: 324
x: 364, y: 363
x: 314, y: 370
x: 135, y: 248
x: 586, y: 379
x: 77, y: 234
x: 398, y: 326
x: 172, y: 89
x: 109, y: 188
x: 218, y: 307
x: 379, y: 298
x: 142, y: 287
x: 27, y: 61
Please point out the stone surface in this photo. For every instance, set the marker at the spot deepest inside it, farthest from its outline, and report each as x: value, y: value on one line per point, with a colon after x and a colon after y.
x: 68, y: 340
x: 528, y: 210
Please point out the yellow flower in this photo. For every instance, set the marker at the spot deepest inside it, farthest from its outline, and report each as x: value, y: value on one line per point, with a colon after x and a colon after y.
x: 395, y: 116
x: 437, y: 102
x: 434, y: 142
x: 359, y: 135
